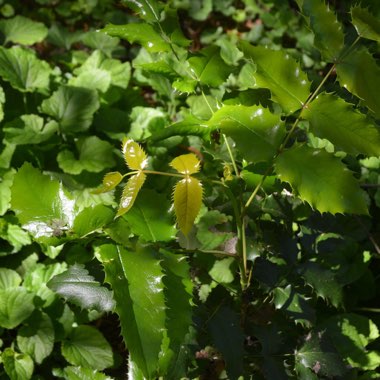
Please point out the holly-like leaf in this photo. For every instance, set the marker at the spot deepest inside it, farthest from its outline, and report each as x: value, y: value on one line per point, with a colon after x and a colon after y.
x: 72, y: 107
x: 130, y: 192
x: 328, y: 31
x: 332, y: 118
x: 144, y: 34
x: 22, y: 30
x: 359, y: 73
x: 148, y: 10
x: 209, y: 67
x: 110, y: 181
x: 186, y: 164
x: 281, y: 74
x: 36, y: 337
x: 86, y: 346
x: 187, y: 199
x: 29, y: 129
x: 136, y: 278
x: 150, y: 219
x: 320, y: 356
x: 256, y: 131
x: 23, y: 70
x: 78, y: 287
x: 134, y: 155
x: 366, y: 24
x: 322, y: 180
x: 17, y: 366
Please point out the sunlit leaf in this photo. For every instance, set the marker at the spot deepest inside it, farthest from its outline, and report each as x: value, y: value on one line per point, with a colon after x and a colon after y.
x: 17, y: 366
x: 322, y: 180
x: 366, y: 24
x: 186, y: 164
x: 187, y: 199
x: 110, y: 181
x: 359, y: 73
x: 134, y: 155
x: 92, y: 219
x: 130, y: 192
x: 332, y: 118
x: 328, y: 31
x: 281, y: 74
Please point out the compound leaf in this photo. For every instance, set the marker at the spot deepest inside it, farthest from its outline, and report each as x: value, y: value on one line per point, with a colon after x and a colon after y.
x: 281, y: 74
x: 322, y: 180
x: 110, y: 181
x: 134, y: 155
x: 366, y: 24
x: 130, y: 192
x: 186, y: 164
x: 332, y: 118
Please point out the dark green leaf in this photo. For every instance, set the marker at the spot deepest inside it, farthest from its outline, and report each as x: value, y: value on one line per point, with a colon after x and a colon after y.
x: 62, y: 37
x: 256, y: 131
x: 101, y: 41
x: 332, y: 118
x: 322, y: 180
x: 72, y: 107
x: 366, y: 24
x: 136, y: 278
x: 23, y: 70
x: 328, y: 31
x: 281, y: 74
x: 147, y: 9
x: 87, y: 347
x: 78, y: 287
x: 359, y: 73
x: 149, y: 217
x: 17, y: 366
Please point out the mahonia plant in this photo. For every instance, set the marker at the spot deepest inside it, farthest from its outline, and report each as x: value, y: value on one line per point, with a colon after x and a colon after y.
x: 187, y: 193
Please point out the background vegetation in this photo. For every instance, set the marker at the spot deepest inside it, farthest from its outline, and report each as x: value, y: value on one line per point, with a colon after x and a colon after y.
x: 263, y: 116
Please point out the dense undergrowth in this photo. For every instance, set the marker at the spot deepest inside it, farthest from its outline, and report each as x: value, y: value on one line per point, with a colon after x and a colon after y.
x: 236, y: 233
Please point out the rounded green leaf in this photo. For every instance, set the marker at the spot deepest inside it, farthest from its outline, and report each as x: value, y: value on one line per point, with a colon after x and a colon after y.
x: 87, y: 347
x: 17, y: 366
x: 134, y: 155
x: 186, y: 164
x: 322, y: 180
x: 187, y: 198
x: 91, y: 219
x: 333, y: 119
x: 9, y: 279
x: 366, y: 24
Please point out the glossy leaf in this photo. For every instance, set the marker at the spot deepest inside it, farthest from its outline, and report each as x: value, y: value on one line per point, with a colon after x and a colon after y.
x: 22, y: 30
x: 209, y: 67
x: 134, y: 155
x: 149, y: 218
x: 131, y: 189
x: 332, y: 118
x: 91, y: 219
x: 328, y: 31
x: 281, y: 74
x: 79, y: 373
x: 187, y: 198
x: 29, y: 129
x: 186, y: 164
x: 256, y: 131
x: 16, y: 304
x: 78, y: 287
x: 87, y: 347
x: 23, y: 70
x: 322, y: 180
x: 36, y: 337
x: 143, y: 34
x: 320, y: 356
x: 136, y: 279
x: 148, y: 10
x: 17, y: 366
x: 95, y: 155
x: 359, y: 73
x: 366, y: 24
x: 110, y: 181
x: 72, y: 107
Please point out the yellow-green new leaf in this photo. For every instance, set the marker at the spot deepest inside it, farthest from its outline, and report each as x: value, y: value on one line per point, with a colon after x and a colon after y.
x: 130, y: 192
x: 186, y: 164
x: 187, y: 202
x: 110, y: 181
x: 134, y: 155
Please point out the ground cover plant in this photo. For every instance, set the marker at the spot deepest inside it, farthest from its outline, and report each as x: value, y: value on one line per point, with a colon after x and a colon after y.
x: 189, y: 189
